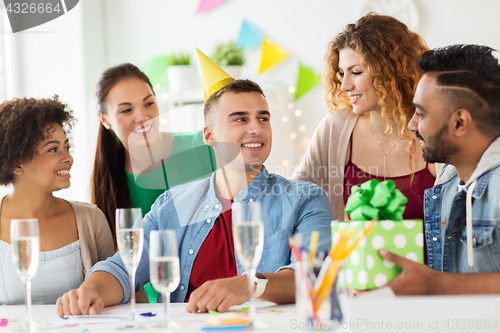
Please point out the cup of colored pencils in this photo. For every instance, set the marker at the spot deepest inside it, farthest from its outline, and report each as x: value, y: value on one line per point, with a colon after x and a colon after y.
x: 315, y: 276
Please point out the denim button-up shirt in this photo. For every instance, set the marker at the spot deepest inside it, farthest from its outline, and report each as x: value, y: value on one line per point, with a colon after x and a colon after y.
x: 445, y: 229
x: 288, y: 207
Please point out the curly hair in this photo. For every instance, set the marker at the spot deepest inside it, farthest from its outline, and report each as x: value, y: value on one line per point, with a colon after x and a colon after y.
x: 22, y: 125
x: 389, y: 53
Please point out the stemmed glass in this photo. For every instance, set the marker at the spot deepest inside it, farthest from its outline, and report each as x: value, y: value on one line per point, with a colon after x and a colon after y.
x: 130, y: 240
x: 164, y: 268
x: 248, y: 235
x: 25, y: 240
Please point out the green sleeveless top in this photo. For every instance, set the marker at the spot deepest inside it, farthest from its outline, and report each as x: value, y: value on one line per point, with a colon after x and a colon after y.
x: 190, y: 160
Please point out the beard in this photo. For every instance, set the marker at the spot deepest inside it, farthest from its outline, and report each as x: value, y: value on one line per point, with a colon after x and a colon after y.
x: 441, y: 149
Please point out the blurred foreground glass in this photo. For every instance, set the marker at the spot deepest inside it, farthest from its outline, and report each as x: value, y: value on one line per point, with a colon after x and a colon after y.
x: 25, y: 240
x: 248, y: 235
x: 164, y: 268
x: 130, y: 240
x: 328, y: 315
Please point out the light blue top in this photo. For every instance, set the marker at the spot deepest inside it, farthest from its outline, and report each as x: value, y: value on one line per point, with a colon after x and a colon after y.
x: 445, y: 219
x: 288, y: 207
x: 59, y: 270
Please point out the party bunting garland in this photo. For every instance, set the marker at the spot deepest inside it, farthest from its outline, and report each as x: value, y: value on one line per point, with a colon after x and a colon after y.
x: 374, y: 200
x: 208, y: 4
x: 306, y: 80
x: 156, y: 70
x: 272, y: 54
x: 250, y: 36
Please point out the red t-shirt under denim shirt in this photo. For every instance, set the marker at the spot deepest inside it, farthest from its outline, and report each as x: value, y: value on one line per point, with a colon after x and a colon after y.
x: 215, y: 259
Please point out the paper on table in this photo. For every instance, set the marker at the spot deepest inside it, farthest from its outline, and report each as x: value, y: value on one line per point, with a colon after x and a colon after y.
x: 124, y: 311
x: 384, y: 292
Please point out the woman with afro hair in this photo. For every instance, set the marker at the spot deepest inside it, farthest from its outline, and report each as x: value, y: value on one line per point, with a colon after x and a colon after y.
x: 35, y: 159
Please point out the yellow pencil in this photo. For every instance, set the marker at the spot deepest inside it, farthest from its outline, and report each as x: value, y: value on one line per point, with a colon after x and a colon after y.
x: 342, y: 244
x: 342, y: 251
x: 348, y: 250
x: 339, y: 247
x: 329, y: 279
x: 313, y: 247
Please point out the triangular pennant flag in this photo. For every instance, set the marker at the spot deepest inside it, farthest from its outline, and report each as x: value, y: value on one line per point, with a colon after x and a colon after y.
x: 306, y: 80
x: 156, y: 70
x: 272, y: 54
x: 208, y: 4
x: 250, y: 36
x: 213, y: 78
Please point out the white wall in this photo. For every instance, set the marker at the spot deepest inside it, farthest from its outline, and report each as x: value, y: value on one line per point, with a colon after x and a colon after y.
x: 138, y: 31
x: 48, y: 60
x: 67, y: 55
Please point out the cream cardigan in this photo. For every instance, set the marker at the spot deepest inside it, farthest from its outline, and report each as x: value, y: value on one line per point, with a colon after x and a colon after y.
x: 96, y: 241
x: 324, y: 160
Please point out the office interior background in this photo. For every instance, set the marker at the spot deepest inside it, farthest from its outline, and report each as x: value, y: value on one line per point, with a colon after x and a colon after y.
x: 67, y: 55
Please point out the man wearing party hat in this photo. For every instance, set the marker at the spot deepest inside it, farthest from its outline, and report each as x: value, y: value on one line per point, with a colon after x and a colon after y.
x: 238, y: 127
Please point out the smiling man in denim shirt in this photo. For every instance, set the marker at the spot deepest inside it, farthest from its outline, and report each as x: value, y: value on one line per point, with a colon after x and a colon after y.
x: 238, y: 127
x: 457, y: 119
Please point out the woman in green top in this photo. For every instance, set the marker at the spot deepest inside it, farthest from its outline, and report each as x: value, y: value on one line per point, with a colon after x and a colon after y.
x: 134, y: 161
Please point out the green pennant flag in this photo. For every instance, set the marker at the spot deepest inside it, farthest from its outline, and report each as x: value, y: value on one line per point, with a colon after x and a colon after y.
x: 306, y: 80
x: 156, y: 70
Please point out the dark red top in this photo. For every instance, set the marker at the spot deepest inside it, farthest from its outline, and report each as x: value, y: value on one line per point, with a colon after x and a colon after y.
x: 215, y: 259
x: 422, y: 180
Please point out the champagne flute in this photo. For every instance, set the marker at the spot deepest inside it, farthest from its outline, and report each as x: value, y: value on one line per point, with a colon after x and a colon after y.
x: 248, y: 235
x: 25, y: 240
x: 164, y: 268
x: 130, y: 240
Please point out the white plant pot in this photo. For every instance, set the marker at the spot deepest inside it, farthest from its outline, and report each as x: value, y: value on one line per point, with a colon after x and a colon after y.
x: 182, y: 78
x: 233, y: 71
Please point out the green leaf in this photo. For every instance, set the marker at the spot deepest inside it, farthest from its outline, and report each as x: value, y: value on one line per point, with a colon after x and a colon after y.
x: 228, y: 54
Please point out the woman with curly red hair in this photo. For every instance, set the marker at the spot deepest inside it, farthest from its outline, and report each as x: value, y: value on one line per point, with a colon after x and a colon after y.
x: 371, y: 74
x: 35, y: 159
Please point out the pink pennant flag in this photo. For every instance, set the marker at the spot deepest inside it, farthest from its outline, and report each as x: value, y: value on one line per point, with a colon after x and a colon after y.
x: 208, y: 4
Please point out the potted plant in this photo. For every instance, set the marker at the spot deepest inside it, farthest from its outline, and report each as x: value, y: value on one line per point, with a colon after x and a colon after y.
x: 181, y: 75
x: 230, y: 57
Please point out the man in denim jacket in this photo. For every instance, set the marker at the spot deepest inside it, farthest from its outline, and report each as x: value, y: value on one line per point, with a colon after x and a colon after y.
x: 238, y: 127
x: 457, y: 119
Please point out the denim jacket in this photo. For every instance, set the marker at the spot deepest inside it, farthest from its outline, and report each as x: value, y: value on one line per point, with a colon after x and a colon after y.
x: 445, y: 218
x: 288, y: 207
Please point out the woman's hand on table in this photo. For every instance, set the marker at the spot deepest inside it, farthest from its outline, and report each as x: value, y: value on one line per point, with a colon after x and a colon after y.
x: 99, y: 290
x: 81, y: 301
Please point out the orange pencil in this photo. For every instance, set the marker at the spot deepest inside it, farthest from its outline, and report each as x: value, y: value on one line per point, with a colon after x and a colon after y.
x: 334, y: 254
x: 355, y: 243
x: 328, y: 280
x: 342, y: 253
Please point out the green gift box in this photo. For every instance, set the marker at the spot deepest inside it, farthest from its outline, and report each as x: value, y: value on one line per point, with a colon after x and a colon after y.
x: 365, y: 268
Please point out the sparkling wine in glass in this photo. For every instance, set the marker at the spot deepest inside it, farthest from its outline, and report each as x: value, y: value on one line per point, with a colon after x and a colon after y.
x: 248, y: 235
x: 25, y: 240
x: 130, y: 240
x: 164, y: 268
